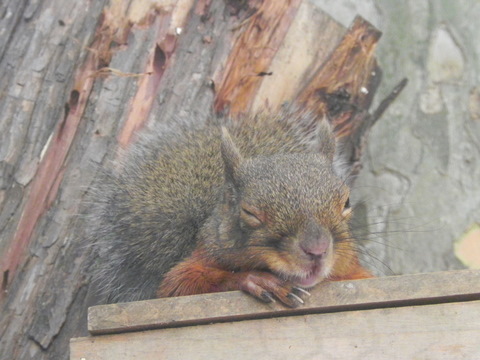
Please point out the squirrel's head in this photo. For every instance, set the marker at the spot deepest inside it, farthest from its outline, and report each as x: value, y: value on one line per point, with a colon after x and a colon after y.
x: 288, y: 212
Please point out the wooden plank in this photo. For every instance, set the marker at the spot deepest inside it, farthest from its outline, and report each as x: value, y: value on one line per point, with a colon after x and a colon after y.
x: 328, y: 297
x: 442, y: 331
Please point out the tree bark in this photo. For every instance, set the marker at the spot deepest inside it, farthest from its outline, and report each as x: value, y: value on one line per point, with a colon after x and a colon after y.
x: 80, y: 78
x: 418, y: 194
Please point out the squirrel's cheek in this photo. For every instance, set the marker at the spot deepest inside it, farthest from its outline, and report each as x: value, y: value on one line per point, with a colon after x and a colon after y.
x: 328, y: 264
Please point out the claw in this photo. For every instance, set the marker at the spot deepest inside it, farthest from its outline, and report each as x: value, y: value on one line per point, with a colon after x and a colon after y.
x: 267, y: 297
x: 296, y: 298
x: 301, y: 291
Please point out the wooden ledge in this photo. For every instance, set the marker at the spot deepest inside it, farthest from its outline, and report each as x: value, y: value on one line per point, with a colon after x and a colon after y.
x: 394, y: 291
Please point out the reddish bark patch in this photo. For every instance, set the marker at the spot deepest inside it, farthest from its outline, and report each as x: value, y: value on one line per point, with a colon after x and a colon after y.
x: 260, y: 37
x: 346, y: 83
x: 148, y: 86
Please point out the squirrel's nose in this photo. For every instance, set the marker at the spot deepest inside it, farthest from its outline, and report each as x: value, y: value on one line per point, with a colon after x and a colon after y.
x: 316, y: 241
x: 317, y: 248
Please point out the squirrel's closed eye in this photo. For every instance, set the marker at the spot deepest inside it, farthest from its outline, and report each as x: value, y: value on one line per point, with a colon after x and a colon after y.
x: 251, y: 216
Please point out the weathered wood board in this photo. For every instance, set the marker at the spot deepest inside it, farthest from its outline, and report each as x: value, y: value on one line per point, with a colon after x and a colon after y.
x: 334, y: 296
x: 442, y: 331
x: 424, y: 316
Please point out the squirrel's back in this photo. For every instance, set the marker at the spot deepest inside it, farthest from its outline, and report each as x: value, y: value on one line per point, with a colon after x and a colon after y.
x: 151, y: 204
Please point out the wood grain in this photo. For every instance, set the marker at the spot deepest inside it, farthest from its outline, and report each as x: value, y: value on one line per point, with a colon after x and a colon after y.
x: 310, y: 40
x: 259, y: 38
x: 347, y: 81
x: 443, y: 331
x: 328, y: 297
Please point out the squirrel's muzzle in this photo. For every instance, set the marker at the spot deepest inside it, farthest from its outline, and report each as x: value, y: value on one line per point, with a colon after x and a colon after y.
x: 316, y: 242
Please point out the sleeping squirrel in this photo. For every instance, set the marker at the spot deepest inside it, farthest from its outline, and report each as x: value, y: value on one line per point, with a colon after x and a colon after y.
x: 259, y: 203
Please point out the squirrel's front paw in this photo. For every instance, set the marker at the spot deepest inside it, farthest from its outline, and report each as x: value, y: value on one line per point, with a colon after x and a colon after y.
x: 267, y: 287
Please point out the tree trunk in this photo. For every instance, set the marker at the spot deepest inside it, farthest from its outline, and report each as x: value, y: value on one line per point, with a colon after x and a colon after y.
x: 80, y: 78
x: 419, y: 190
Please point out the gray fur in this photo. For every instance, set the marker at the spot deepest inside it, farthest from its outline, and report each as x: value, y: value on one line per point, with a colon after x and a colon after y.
x: 151, y: 204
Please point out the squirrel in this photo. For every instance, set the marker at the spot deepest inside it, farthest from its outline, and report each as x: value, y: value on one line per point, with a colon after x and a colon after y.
x: 259, y: 204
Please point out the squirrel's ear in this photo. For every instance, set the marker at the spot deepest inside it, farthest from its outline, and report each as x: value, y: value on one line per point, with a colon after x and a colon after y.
x: 325, y: 139
x: 230, y: 154
x: 328, y: 146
